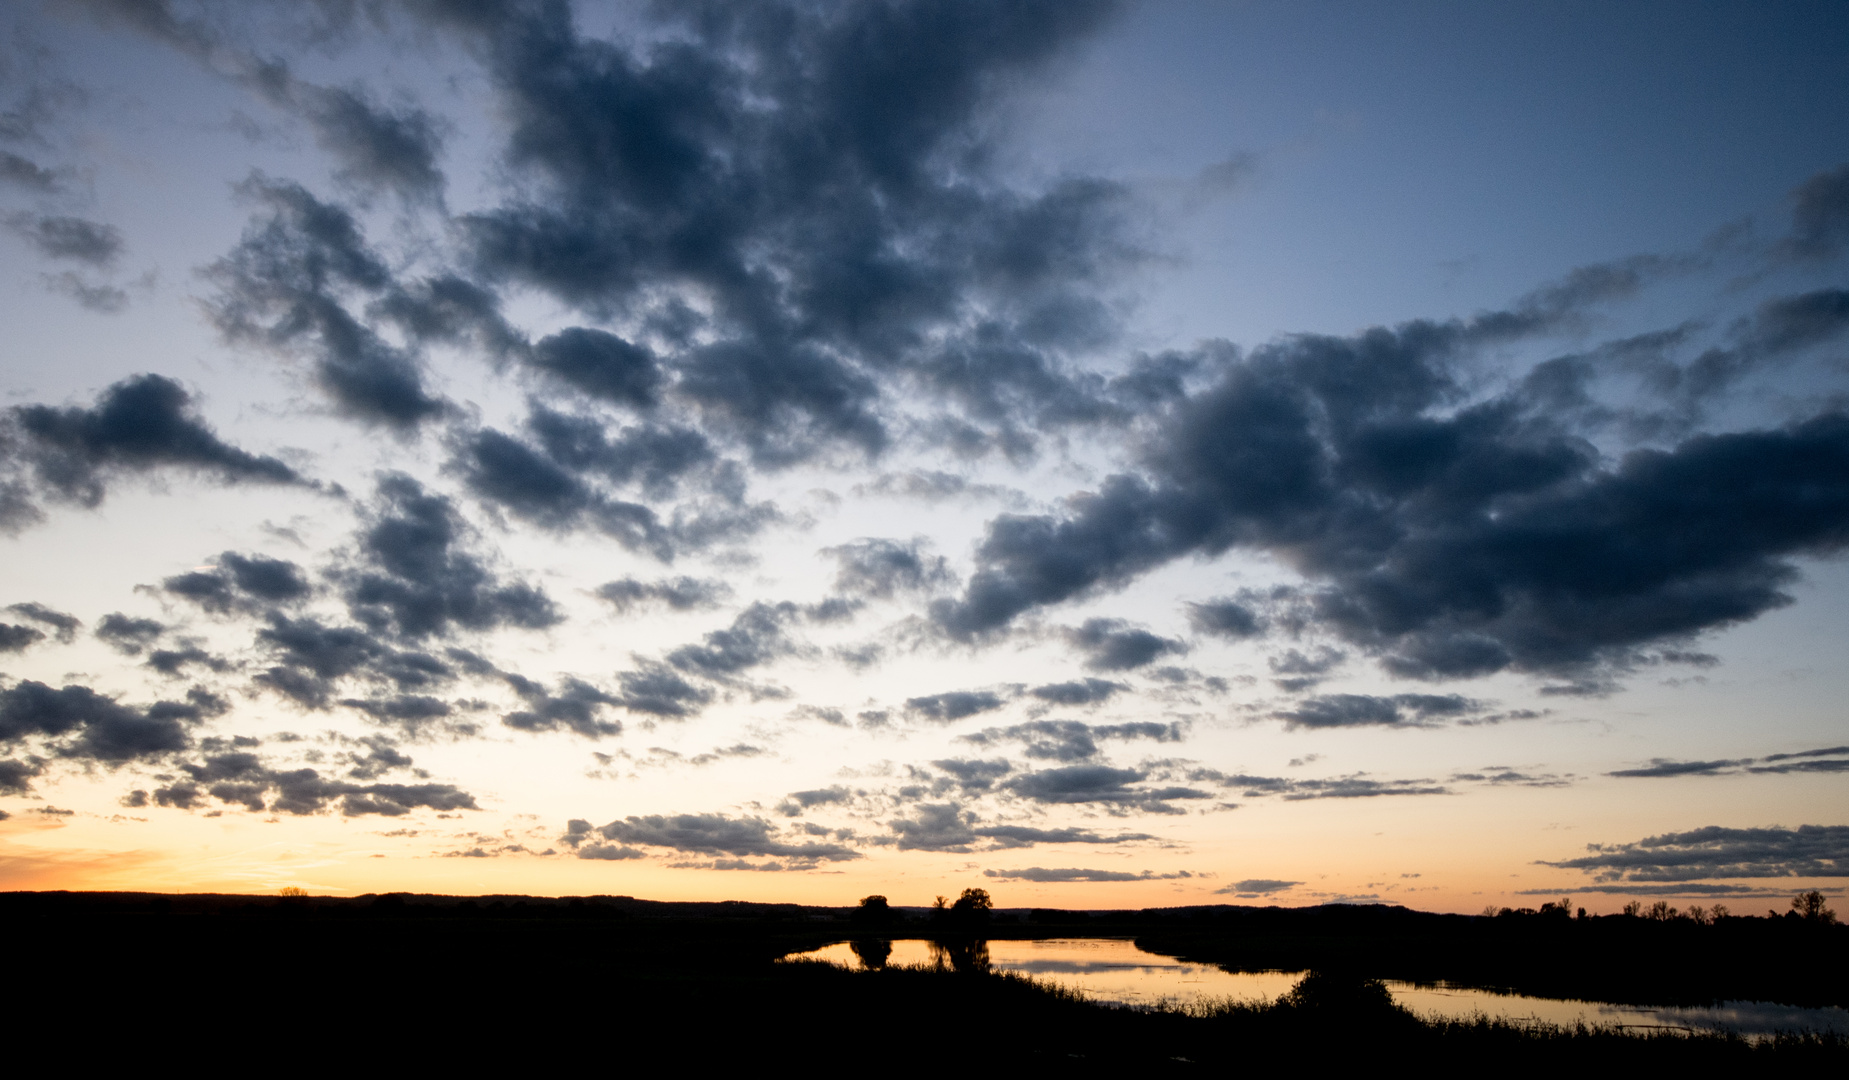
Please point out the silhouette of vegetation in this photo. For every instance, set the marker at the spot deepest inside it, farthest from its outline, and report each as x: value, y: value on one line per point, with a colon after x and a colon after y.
x: 672, y: 983
x: 875, y: 911
x: 1810, y: 907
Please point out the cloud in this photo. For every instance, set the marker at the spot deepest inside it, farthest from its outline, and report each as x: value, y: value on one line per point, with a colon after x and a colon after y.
x: 18, y: 638
x: 378, y: 147
x: 314, y: 658
x: 935, y: 827
x: 241, y: 583
x: 92, y: 726
x: 1071, y: 740
x: 282, y: 288
x: 1040, y: 874
x: 1449, y: 539
x: 1820, y: 216
x: 1086, y: 692
x: 69, y: 238
x: 954, y: 705
x: 26, y: 174
x: 1113, y: 645
x: 1020, y: 836
x: 678, y: 594
x: 15, y: 775
x: 1256, y: 887
x: 243, y: 778
x: 1716, y: 852
x: 1079, y: 784
x: 878, y: 568
x: 715, y: 834
x: 757, y: 636
x: 137, y: 425
x: 780, y: 275
x: 1832, y: 759
x: 796, y: 802
x: 574, y: 707
x: 975, y: 775
x: 1353, y: 786
x: 416, y: 578
x: 64, y: 626
x: 1366, y: 710
x: 1225, y: 618
x: 128, y: 635
x: 656, y: 690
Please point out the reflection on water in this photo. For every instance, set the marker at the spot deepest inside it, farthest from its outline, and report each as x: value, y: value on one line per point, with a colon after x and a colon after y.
x: 1114, y: 971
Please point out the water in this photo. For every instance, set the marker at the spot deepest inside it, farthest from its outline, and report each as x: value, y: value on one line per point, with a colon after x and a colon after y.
x: 1114, y: 971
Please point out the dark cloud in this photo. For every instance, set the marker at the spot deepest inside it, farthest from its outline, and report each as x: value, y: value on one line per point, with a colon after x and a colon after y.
x: 1225, y: 618
x: 561, y: 478
x: 283, y: 286
x: 417, y: 578
x: 758, y: 635
x: 136, y: 425
x: 128, y: 635
x: 1114, y: 645
x: 877, y: 568
x: 657, y: 690
x: 1255, y: 887
x: 1079, y: 784
x: 1448, y: 538
x: 15, y: 776
x: 25, y: 173
x: 817, y: 189
x: 69, y: 238
x: 378, y: 147
x: 796, y: 802
x: 716, y: 834
x: 610, y: 852
x: 243, y: 778
x: 92, y: 726
x: 1019, y: 836
x: 1665, y: 767
x: 954, y: 705
x: 1811, y: 851
x: 1820, y: 215
x: 1041, y: 874
x: 935, y: 827
x: 574, y: 707
x: 64, y: 626
x: 678, y: 594
x: 975, y: 775
x: 1364, y: 710
x: 1086, y: 692
x: 601, y: 365
x: 1353, y: 786
x: 241, y: 583
x: 314, y: 659
x: 1833, y: 759
x: 1298, y: 671
x: 18, y: 638
x: 104, y: 299
x: 1071, y: 740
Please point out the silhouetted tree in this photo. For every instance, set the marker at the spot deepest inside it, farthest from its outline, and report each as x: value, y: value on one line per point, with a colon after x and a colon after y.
x: 874, y: 911
x: 972, y: 908
x: 1809, y: 907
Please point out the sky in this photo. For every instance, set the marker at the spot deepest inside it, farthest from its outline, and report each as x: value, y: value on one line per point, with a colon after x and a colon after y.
x: 1113, y: 455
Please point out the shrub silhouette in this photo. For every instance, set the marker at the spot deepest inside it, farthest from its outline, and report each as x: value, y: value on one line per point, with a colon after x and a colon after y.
x: 1809, y: 907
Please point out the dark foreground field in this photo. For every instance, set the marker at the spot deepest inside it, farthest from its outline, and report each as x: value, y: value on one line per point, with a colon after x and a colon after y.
x: 314, y: 984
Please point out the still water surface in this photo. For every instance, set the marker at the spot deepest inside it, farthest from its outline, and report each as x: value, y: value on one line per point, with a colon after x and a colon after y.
x: 1114, y: 971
